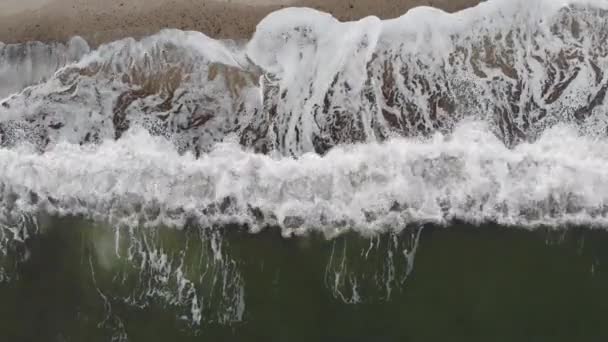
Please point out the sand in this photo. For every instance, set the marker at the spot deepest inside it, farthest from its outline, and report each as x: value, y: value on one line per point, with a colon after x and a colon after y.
x: 101, y: 21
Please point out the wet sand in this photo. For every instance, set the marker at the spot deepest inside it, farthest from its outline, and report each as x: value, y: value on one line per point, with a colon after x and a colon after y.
x: 103, y: 21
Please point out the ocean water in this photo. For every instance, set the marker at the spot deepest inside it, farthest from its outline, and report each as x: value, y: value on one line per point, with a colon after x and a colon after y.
x: 467, y: 284
x: 431, y: 177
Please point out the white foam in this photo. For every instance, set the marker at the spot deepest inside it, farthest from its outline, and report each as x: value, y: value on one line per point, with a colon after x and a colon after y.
x: 519, y: 65
x: 308, y: 59
x: 485, y: 60
x: 561, y: 179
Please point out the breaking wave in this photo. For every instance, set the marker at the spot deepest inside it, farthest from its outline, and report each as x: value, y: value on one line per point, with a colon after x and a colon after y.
x: 493, y: 114
x: 490, y: 114
x: 469, y: 175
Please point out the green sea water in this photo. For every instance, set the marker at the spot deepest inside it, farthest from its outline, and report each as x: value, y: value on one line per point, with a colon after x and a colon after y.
x: 75, y: 280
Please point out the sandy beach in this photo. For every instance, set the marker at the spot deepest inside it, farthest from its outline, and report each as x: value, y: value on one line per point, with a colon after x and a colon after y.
x: 103, y: 21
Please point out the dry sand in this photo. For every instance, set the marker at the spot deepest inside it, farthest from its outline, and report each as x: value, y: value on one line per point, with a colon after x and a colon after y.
x: 100, y: 21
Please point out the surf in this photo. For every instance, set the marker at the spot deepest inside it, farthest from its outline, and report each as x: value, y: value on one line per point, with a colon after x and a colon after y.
x: 495, y: 115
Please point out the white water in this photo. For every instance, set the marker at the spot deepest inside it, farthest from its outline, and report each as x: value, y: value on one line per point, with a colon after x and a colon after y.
x: 493, y: 114
x: 560, y: 179
x: 306, y: 82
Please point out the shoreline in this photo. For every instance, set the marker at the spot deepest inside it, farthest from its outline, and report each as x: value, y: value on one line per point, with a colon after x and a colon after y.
x: 98, y: 23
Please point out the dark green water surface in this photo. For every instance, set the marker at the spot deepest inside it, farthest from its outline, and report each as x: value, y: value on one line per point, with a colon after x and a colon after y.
x: 78, y: 281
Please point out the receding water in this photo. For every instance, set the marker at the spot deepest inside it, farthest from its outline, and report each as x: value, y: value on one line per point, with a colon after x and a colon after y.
x: 468, y: 284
